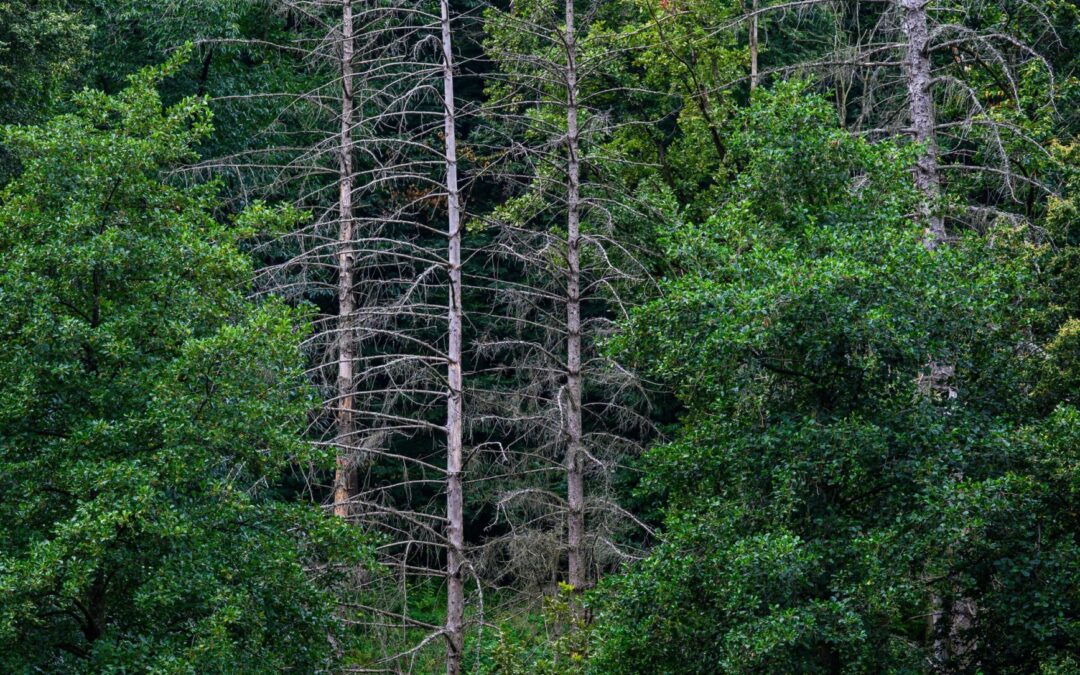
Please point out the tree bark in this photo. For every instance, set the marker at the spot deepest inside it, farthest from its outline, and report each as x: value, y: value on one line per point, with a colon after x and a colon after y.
x: 951, y: 617
x: 345, y: 478
x: 917, y: 74
x: 455, y: 596
x: 754, y: 78
x: 575, y: 481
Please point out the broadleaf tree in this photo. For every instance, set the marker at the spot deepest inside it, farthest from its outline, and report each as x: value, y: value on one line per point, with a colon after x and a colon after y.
x: 832, y: 488
x: 149, y: 413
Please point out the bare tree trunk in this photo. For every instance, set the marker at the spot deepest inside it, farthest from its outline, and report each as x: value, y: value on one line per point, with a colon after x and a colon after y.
x: 950, y: 621
x: 754, y: 78
x: 921, y: 108
x: 952, y: 617
x: 575, y: 481
x: 455, y: 596
x: 345, y: 478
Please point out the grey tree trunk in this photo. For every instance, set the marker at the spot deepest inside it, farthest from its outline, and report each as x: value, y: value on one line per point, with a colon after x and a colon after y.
x: 575, y: 480
x: 917, y: 74
x: 951, y: 617
x: 455, y: 595
x: 754, y: 77
x: 345, y: 478
x: 950, y: 620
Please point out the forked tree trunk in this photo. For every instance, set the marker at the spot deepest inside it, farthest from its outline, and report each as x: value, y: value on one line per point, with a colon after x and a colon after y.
x: 455, y: 559
x: 345, y: 478
x: 917, y: 74
x: 575, y: 480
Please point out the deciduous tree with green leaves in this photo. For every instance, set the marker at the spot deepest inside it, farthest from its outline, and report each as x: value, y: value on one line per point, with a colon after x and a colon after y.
x: 833, y: 487
x: 148, y: 414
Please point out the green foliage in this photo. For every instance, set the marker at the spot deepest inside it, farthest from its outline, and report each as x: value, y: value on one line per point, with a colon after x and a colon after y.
x: 41, y: 45
x: 687, y: 67
x: 147, y: 412
x: 555, y: 643
x: 861, y: 443
x: 870, y: 432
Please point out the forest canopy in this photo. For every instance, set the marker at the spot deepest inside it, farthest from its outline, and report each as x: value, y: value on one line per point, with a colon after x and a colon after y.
x: 602, y: 336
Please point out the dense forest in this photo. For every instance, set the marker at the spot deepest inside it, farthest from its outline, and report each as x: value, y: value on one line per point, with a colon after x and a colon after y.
x: 520, y: 336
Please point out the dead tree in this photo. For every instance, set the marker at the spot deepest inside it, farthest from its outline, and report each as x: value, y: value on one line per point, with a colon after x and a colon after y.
x: 917, y: 67
x: 907, y: 57
x: 455, y: 517
x: 556, y: 231
x: 575, y: 481
x: 345, y: 479
x: 892, y: 64
x: 374, y: 164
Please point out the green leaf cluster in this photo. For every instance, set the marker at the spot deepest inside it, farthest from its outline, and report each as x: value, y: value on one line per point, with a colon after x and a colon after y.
x: 863, y: 443
x: 148, y: 411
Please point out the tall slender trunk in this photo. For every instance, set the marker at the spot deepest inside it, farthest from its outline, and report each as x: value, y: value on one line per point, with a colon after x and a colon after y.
x: 345, y: 478
x: 952, y: 616
x: 455, y: 596
x: 754, y: 78
x: 575, y: 482
x: 916, y: 30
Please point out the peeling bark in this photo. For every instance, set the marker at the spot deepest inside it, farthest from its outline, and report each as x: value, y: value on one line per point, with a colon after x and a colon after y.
x: 917, y: 75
